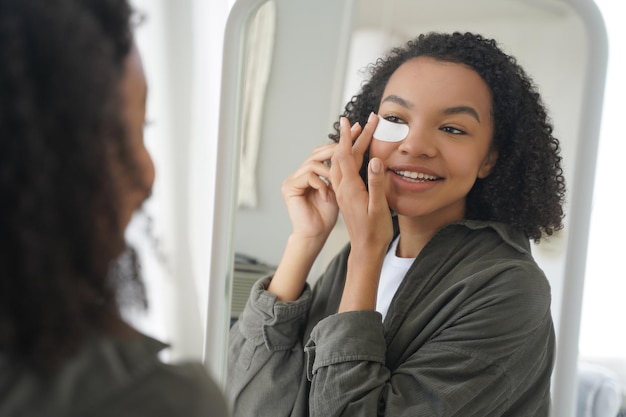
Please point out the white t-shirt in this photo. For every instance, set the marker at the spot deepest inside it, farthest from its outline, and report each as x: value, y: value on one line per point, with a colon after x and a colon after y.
x: 392, y: 274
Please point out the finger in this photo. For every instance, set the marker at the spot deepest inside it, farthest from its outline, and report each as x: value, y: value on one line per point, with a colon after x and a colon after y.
x: 345, y: 134
x: 318, y: 160
x: 342, y: 151
x: 365, y: 138
x: 376, y: 186
x: 319, y: 166
x: 355, y: 131
x: 343, y: 163
x: 323, y: 153
x: 317, y: 183
x: 299, y: 185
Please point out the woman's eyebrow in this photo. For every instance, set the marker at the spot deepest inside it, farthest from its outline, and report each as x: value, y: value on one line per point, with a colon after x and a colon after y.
x: 398, y: 100
x: 463, y: 109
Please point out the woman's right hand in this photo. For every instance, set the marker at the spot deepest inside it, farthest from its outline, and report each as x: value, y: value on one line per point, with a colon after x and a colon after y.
x: 310, y: 200
x: 313, y: 212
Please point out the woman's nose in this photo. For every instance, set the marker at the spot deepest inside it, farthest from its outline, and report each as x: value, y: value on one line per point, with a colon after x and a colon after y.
x: 420, y: 142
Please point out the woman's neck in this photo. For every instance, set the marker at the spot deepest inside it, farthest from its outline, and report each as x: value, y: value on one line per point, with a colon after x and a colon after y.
x: 414, y: 235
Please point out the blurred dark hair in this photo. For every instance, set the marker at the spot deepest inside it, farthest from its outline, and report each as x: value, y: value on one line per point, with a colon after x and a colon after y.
x: 61, y: 131
x: 526, y: 188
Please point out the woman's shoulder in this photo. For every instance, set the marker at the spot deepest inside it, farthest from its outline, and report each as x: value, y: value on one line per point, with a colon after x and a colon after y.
x: 491, y: 233
x: 149, y: 386
x: 111, y: 376
x: 168, y: 390
x: 487, y: 259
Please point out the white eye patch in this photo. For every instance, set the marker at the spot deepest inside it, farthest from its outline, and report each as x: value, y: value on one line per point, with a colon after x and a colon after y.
x: 390, y: 132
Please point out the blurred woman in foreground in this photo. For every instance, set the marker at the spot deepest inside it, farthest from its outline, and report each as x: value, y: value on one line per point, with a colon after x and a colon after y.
x: 73, y: 169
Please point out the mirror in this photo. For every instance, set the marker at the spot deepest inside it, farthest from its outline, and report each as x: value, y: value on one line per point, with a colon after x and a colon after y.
x: 320, y: 48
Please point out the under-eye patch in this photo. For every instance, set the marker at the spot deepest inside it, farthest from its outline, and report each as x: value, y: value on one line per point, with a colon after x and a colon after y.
x: 390, y: 132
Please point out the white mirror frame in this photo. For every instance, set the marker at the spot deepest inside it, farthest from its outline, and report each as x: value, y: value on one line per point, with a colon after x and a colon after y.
x: 580, y: 201
x: 224, y: 205
x: 221, y: 262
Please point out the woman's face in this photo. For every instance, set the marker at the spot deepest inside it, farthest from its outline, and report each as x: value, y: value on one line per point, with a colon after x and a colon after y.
x: 134, y: 94
x: 447, y: 107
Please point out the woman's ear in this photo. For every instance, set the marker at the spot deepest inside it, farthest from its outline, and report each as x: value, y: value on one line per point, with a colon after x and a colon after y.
x: 488, y: 163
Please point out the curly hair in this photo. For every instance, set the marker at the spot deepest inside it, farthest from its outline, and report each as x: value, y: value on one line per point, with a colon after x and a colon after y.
x: 61, y: 128
x: 526, y: 188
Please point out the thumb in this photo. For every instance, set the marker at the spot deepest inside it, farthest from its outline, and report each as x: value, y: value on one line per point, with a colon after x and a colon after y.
x: 376, y: 186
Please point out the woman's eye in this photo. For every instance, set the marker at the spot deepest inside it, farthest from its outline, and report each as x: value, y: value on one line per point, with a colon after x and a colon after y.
x: 453, y: 130
x: 394, y: 119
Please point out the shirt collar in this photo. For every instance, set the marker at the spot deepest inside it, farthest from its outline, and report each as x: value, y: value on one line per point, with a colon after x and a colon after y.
x: 513, y: 237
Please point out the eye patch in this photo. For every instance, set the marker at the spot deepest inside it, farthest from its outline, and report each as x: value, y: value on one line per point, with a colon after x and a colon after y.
x: 390, y: 132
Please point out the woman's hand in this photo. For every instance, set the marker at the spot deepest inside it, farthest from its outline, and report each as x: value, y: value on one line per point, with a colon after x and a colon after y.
x: 310, y: 201
x: 365, y: 213
x: 313, y: 212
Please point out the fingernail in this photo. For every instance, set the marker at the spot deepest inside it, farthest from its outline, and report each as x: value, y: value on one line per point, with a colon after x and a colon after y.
x: 371, y: 117
x: 354, y: 126
x: 375, y: 165
x: 342, y: 121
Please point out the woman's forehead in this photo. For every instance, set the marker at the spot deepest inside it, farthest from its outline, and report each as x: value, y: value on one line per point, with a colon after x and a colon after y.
x: 425, y: 78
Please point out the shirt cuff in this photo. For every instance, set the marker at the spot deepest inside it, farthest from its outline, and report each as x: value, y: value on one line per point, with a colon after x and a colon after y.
x: 343, y: 337
x: 277, y: 324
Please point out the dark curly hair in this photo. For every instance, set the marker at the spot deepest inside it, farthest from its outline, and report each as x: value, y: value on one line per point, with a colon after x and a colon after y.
x: 61, y: 133
x: 526, y: 188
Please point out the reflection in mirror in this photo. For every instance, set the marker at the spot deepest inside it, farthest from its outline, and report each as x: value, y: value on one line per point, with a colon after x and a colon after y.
x: 314, y: 71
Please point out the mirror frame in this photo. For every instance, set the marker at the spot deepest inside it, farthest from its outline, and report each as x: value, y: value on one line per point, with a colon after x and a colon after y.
x: 226, y: 186
x: 564, y: 387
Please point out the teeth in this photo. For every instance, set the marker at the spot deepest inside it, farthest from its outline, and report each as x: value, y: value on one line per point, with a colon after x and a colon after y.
x: 416, y: 175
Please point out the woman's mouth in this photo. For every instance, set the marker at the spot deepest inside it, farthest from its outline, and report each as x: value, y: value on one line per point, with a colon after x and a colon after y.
x: 413, y: 176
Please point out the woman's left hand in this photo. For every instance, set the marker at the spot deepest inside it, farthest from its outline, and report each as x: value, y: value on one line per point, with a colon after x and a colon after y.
x: 366, y: 214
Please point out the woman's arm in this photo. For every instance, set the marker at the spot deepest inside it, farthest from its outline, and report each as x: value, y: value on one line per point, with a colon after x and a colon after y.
x: 265, y: 362
x: 313, y: 212
x: 265, y: 354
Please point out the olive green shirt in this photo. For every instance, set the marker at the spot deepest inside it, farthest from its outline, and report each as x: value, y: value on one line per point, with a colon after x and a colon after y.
x: 112, y: 378
x: 468, y: 333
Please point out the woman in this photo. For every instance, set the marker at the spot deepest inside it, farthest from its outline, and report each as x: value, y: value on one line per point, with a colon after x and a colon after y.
x: 436, y: 306
x: 73, y: 169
